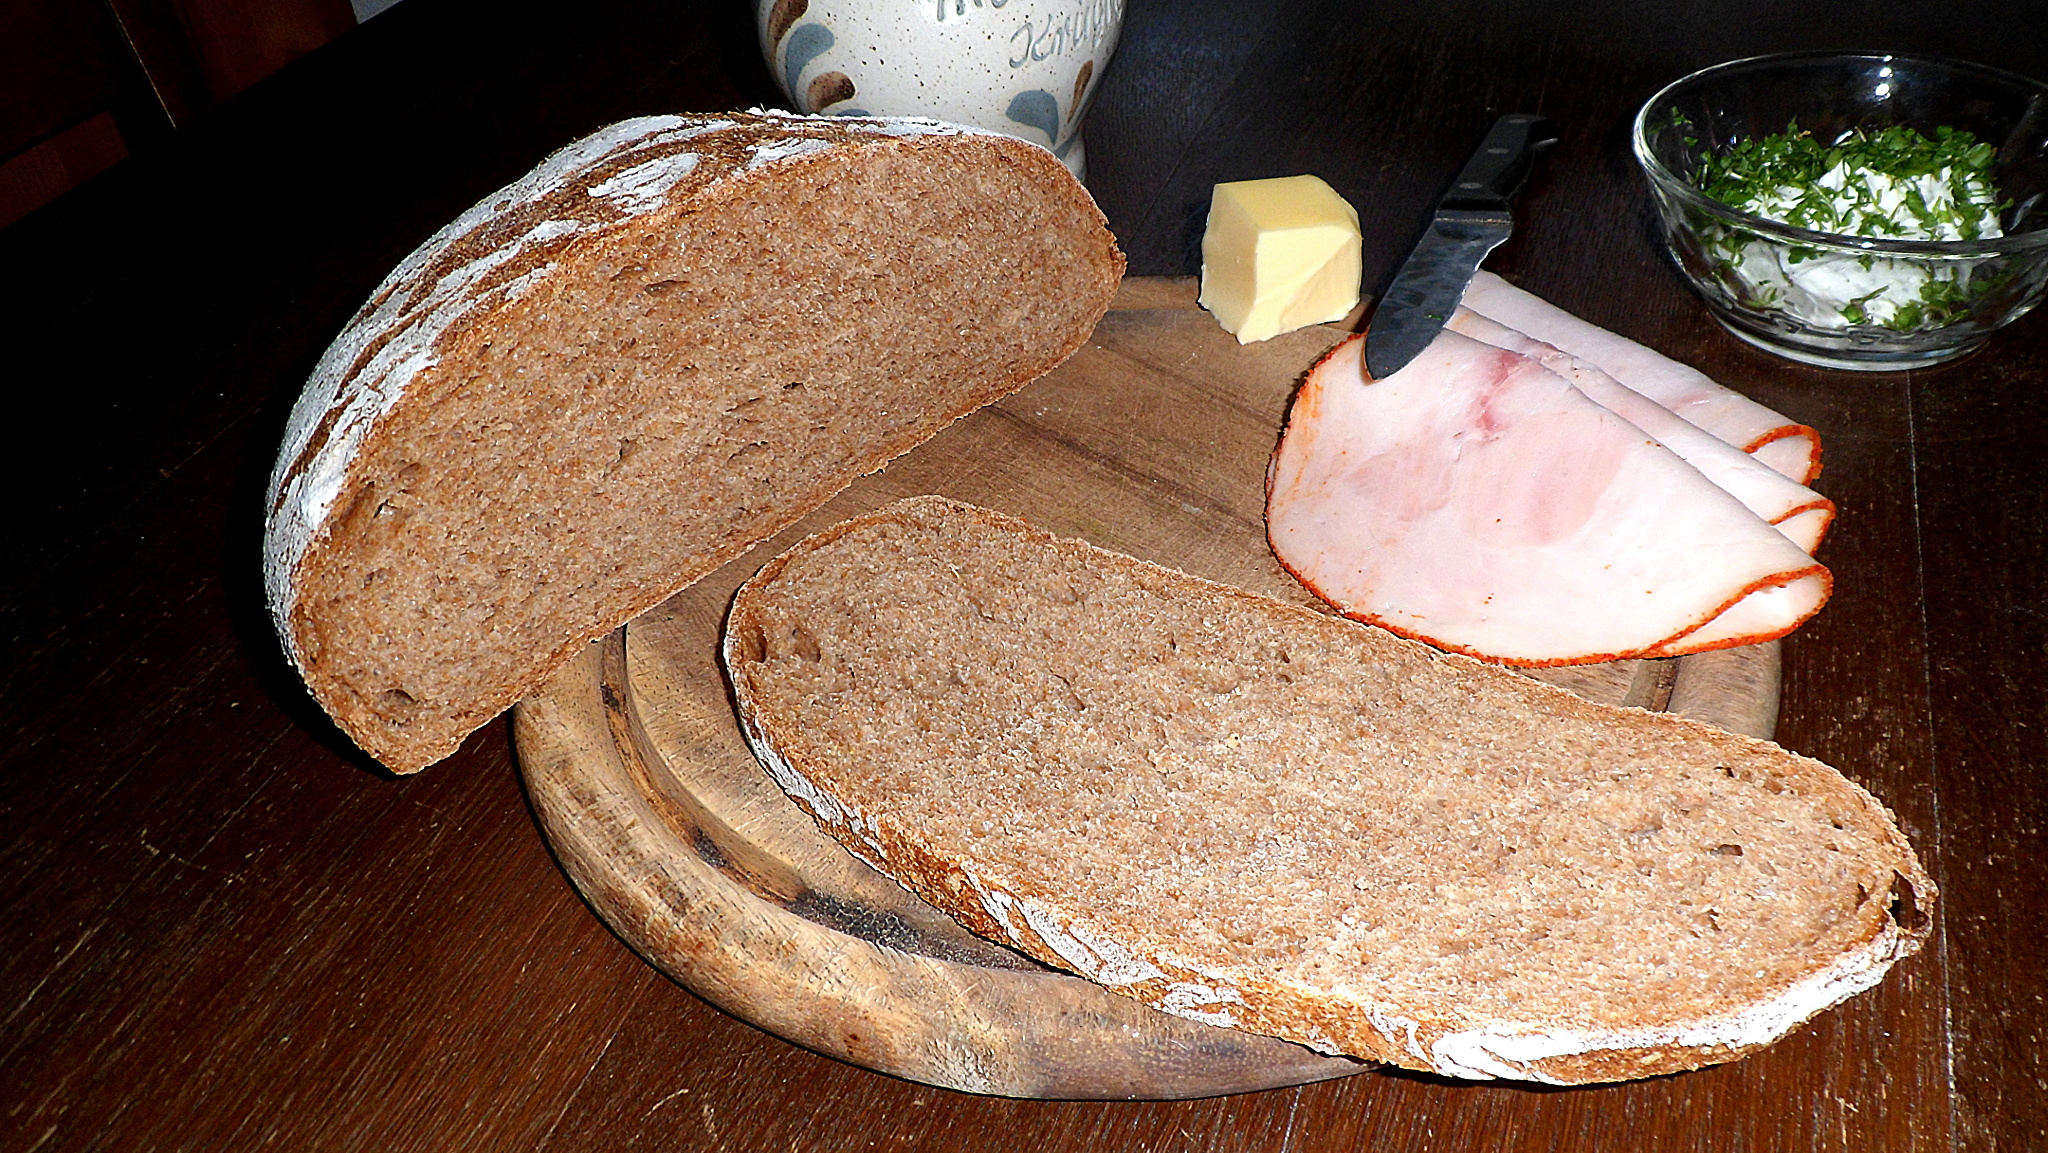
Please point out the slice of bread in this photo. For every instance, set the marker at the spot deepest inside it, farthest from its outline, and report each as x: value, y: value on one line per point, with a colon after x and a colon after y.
x: 1258, y: 816
x: 669, y: 341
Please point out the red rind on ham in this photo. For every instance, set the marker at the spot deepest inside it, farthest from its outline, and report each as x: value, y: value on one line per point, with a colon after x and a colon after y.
x: 1802, y: 514
x: 1780, y: 442
x: 1476, y: 500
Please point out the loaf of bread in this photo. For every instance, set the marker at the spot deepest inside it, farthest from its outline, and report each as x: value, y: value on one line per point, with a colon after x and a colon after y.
x: 1258, y: 816
x: 670, y: 340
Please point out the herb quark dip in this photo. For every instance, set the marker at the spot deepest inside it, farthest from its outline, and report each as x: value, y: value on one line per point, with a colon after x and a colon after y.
x: 1894, y: 184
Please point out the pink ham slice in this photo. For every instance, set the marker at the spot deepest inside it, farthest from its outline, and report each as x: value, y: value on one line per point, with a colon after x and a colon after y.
x: 1802, y: 514
x: 1477, y: 501
x: 1789, y: 447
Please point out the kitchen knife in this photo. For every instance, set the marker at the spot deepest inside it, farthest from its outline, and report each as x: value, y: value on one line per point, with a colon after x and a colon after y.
x: 1471, y: 220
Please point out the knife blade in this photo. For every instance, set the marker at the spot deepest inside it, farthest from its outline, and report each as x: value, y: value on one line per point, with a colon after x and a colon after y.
x: 1471, y: 221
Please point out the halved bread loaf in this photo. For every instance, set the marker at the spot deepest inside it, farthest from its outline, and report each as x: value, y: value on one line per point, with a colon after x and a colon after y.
x: 1258, y: 816
x: 669, y: 341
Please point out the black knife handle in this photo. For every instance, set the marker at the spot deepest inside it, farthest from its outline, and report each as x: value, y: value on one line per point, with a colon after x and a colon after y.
x: 1496, y: 172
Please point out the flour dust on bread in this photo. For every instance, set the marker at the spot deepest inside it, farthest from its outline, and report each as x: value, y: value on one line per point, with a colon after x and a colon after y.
x: 669, y: 341
x: 1258, y: 816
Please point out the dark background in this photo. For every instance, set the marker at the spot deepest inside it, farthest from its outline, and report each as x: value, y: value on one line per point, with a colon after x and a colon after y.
x: 83, y: 83
x: 220, y: 926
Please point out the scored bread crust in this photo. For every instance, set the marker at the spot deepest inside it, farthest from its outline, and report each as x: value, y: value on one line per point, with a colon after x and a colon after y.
x: 557, y: 242
x: 1158, y: 959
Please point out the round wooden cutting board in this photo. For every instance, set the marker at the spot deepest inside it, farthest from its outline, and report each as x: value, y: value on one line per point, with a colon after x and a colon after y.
x: 1152, y: 440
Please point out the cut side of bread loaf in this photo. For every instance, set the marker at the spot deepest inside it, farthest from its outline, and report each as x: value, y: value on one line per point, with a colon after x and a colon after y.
x: 1258, y: 816
x: 669, y: 341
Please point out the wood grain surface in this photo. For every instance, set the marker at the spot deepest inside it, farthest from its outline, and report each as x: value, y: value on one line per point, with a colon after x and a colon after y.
x: 650, y: 798
x: 221, y: 929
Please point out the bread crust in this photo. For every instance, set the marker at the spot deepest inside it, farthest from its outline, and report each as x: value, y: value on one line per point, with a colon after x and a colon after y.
x: 526, y: 249
x: 1339, y: 1015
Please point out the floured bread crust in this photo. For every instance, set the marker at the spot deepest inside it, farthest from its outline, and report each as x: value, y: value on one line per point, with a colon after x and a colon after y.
x: 569, y: 301
x: 1351, y: 841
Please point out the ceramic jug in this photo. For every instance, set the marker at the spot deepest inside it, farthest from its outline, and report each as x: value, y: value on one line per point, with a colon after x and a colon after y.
x: 1026, y: 68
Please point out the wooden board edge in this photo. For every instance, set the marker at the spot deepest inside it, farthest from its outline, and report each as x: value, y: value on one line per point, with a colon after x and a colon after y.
x: 936, y: 1022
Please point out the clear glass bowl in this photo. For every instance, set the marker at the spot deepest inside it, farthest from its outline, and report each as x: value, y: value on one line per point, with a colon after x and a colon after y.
x: 1786, y: 289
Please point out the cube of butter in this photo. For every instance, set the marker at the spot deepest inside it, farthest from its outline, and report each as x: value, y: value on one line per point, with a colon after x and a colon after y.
x: 1279, y: 255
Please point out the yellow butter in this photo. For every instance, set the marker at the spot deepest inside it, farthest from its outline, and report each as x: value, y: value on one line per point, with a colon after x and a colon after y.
x: 1279, y: 255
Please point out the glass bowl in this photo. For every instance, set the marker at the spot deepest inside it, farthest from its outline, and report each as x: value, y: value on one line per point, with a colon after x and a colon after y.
x: 1849, y: 301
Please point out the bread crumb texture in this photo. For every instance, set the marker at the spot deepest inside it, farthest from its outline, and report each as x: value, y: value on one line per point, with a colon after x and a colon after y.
x: 1259, y: 816
x: 670, y: 341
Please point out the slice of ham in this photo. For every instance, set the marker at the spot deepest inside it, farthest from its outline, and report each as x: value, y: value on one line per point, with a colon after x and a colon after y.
x: 1787, y: 446
x: 1802, y: 514
x: 1477, y: 501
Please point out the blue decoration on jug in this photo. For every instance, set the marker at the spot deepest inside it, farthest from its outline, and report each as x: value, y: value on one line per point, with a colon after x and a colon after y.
x: 1037, y: 109
x: 806, y: 43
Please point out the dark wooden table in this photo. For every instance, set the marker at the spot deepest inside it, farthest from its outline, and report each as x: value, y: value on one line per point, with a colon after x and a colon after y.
x: 221, y: 928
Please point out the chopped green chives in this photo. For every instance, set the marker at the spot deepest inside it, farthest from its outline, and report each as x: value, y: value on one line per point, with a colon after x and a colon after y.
x: 1890, y: 183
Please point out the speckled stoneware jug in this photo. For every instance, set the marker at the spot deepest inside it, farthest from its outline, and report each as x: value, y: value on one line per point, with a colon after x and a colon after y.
x: 1027, y: 68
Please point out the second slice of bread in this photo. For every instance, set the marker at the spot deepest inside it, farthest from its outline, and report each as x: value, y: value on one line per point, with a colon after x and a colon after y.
x: 1257, y: 816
